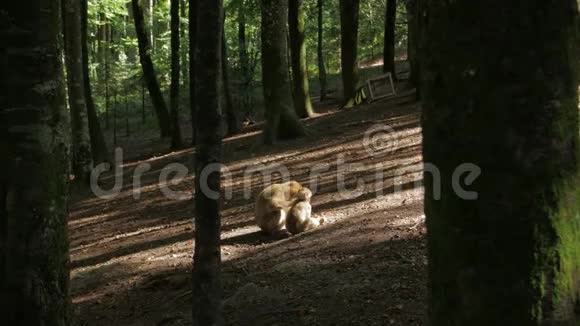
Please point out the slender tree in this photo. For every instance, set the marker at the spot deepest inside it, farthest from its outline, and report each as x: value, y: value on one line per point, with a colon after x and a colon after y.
x: 413, y: 35
x: 281, y: 119
x: 149, y: 72
x: 193, y: 14
x: 176, y: 141
x: 349, y: 13
x: 244, y: 58
x: 82, y: 160
x: 98, y: 145
x: 34, y: 167
x: 184, y: 44
x: 511, y: 112
x: 207, y: 256
x: 321, y: 67
x: 389, y: 38
x: 302, y: 103
x: 231, y: 114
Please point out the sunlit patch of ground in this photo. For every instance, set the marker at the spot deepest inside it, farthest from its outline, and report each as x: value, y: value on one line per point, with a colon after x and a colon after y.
x: 132, y: 257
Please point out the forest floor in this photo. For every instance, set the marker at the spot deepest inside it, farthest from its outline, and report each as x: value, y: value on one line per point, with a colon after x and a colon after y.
x: 132, y: 258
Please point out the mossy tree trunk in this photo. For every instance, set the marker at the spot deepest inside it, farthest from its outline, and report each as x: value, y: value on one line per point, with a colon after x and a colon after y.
x: 184, y: 44
x: 321, y: 67
x: 149, y: 71
x: 511, y: 256
x: 82, y: 159
x: 176, y: 140
x: 193, y: 14
x: 34, y: 167
x: 349, y: 13
x: 207, y: 258
x: 98, y: 145
x: 389, y: 38
x: 302, y: 103
x: 281, y: 119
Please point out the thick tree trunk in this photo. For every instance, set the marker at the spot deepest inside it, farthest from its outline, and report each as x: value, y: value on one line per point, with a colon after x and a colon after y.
x: 509, y: 257
x: 302, y: 103
x: 207, y: 257
x: 231, y: 114
x: 281, y: 119
x: 176, y: 141
x: 149, y: 72
x: 389, y: 40
x: 34, y: 167
x: 82, y: 160
x: 349, y: 13
x: 321, y: 67
x: 98, y: 145
x: 193, y: 14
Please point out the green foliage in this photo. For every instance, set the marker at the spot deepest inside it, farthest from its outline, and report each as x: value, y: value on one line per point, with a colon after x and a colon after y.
x: 120, y: 57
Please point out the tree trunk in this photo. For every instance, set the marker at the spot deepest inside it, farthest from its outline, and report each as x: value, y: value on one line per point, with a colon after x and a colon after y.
x: 246, y: 78
x: 82, y: 162
x: 34, y: 167
x: 207, y: 258
x: 349, y: 12
x: 184, y: 44
x: 149, y: 72
x: 231, y: 114
x: 176, y: 141
x: 281, y: 119
x: 193, y: 14
x: 98, y: 145
x: 509, y: 257
x: 389, y: 41
x: 321, y: 68
x: 302, y: 103
x: 413, y: 34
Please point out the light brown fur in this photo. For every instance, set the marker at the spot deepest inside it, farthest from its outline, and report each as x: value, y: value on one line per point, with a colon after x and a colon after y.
x: 299, y: 218
x: 273, y: 204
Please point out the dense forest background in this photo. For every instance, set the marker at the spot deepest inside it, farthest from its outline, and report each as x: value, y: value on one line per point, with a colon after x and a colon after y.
x: 116, y: 75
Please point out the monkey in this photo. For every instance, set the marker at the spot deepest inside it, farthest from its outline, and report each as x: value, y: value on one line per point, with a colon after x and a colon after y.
x: 273, y: 204
x: 299, y: 218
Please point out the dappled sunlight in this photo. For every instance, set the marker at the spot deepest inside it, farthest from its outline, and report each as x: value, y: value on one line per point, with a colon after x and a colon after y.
x: 142, y: 241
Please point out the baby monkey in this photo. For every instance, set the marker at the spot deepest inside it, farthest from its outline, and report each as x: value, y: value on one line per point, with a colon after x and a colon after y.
x: 299, y: 217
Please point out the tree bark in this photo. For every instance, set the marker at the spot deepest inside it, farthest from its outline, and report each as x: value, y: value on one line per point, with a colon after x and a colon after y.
x: 281, y: 119
x: 176, y: 140
x: 184, y: 44
x: 512, y: 111
x: 321, y: 67
x: 34, y: 167
x: 413, y: 43
x: 82, y: 161
x: 349, y: 13
x: 302, y: 103
x: 207, y: 307
x: 98, y: 145
x: 149, y: 72
x: 231, y: 114
x: 244, y: 59
x: 193, y: 15
x: 389, y: 40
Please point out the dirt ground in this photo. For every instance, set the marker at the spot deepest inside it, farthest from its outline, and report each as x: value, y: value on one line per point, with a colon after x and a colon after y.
x: 132, y: 258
